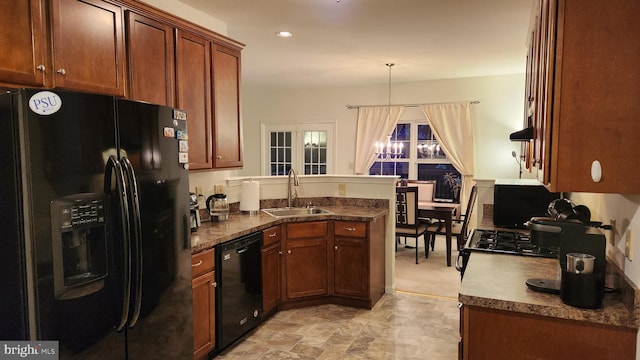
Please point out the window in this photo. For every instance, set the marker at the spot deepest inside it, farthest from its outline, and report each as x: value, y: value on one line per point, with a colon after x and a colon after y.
x: 421, y: 158
x: 279, y: 152
x: 307, y: 148
x: 315, y: 152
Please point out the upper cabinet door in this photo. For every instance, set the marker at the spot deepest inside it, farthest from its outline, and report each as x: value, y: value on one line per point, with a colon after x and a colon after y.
x: 150, y: 51
x: 193, y: 68
x: 226, y: 107
x: 88, y: 46
x: 22, y: 37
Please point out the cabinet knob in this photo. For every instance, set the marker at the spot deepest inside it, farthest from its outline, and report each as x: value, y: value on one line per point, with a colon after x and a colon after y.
x: 335, y: 247
x: 596, y: 171
x: 197, y: 264
x: 40, y: 68
x: 289, y: 252
x: 279, y: 252
x: 61, y: 71
x: 215, y: 284
x: 219, y: 157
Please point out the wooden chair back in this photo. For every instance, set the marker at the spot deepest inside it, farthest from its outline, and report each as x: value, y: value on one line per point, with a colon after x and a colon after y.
x: 406, y: 206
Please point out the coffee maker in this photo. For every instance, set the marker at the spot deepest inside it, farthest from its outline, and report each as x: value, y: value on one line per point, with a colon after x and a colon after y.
x: 194, y: 212
x: 582, y: 276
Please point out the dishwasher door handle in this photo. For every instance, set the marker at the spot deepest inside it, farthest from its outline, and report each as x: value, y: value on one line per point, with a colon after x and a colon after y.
x: 243, y: 249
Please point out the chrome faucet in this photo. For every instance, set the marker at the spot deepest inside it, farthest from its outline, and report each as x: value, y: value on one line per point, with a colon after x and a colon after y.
x: 296, y: 182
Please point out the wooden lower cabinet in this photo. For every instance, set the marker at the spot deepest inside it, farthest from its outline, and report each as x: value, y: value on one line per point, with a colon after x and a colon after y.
x: 340, y: 262
x: 497, y: 334
x: 203, y: 287
x: 358, y: 260
x: 305, y: 260
x: 271, y: 269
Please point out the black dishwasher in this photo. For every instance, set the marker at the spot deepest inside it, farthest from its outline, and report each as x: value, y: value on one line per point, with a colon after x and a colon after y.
x: 239, y: 290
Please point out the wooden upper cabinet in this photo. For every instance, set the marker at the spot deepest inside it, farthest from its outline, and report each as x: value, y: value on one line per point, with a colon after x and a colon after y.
x: 150, y: 53
x: 193, y: 68
x: 22, y: 42
x: 88, y: 51
x: 586, y: 91
x: 226, y: 96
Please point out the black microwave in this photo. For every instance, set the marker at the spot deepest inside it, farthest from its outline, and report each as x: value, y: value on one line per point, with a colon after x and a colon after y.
x: 517, y: 201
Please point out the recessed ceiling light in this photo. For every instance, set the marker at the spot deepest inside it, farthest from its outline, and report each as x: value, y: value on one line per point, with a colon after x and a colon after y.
x: 284, y: 34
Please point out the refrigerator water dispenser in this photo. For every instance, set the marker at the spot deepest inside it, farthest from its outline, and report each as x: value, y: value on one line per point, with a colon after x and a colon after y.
x: 79, y: 240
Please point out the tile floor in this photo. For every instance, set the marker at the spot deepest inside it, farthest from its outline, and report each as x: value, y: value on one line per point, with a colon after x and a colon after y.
x: 400, y: 326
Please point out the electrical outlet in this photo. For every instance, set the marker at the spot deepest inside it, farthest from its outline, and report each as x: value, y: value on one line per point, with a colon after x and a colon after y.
x: 342, y: 189
x: 628, y: 245
x: 218, y: 189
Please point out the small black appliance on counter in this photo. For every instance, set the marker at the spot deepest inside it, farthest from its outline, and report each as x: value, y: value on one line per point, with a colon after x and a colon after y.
x: 576, y: 287
x: 517, y: 201
x: 194, y: 212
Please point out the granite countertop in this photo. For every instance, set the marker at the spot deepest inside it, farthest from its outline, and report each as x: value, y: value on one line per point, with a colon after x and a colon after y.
x: 239, y: 224
x: 497, y: 281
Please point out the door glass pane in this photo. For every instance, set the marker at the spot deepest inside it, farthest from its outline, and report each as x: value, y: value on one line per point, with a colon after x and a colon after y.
x: 314, y: 145
x: 280, y: 152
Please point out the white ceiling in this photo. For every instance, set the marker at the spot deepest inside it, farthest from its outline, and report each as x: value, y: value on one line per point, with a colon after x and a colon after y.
x: 347, y: 43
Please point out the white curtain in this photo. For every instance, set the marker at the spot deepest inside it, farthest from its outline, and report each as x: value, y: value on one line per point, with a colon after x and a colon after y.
x: 453, y: 128
x: 375, y: 123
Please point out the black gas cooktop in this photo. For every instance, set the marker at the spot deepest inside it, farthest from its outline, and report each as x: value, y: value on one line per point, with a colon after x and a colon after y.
x: 507, y: 242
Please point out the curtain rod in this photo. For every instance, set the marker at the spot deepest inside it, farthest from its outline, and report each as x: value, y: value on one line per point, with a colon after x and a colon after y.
x: 407, y: 105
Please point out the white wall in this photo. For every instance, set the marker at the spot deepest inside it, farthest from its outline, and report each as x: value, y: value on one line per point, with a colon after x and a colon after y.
x: 498, y: 114
x: 189, y: 13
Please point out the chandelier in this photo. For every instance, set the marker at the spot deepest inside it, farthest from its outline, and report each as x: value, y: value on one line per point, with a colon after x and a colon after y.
x: 390, y: 150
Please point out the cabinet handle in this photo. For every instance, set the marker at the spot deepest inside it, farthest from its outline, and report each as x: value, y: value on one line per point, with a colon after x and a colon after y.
x: 335, y: 248
x: 272, y: 235
x: 61, y: 71
x: 41, y: 68
x: 350, y: 229
x: 279, y: 252
x: 197, y: 264
x: 289, y: 252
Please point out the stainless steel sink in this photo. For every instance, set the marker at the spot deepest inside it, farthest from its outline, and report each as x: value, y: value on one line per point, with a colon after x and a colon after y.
x: 292, y: 212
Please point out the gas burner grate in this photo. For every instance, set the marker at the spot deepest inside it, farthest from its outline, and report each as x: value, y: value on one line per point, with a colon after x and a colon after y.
x: 508, y: 242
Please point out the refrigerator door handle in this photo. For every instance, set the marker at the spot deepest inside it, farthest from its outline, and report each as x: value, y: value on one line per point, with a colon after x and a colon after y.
x: 137, y: 236
x: 121, y: 189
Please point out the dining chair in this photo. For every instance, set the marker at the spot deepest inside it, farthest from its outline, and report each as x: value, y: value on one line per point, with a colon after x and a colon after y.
x: 459, y: 227
x: 407, y: 222
x: 426, y: 193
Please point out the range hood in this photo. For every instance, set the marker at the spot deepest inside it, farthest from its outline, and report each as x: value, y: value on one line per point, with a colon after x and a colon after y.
x: 522, y: 135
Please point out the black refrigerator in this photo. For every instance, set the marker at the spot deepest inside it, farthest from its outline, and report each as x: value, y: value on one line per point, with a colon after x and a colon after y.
x: 94, y: 225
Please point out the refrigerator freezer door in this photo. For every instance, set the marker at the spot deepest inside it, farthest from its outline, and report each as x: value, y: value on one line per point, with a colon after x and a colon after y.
x: 149, y: 142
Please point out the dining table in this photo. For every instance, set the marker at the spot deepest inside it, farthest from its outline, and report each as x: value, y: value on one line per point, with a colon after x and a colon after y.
x: 445, y: 211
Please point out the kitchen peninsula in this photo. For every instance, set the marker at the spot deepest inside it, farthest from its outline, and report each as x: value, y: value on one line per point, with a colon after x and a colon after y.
x: 501, y: 317
x: 334, y: 257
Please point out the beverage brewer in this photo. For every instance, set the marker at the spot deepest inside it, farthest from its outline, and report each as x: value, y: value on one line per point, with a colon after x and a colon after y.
x: 580, y: 247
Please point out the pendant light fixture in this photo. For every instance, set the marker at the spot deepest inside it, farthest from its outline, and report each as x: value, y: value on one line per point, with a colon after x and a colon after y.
x: 392, y: 149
